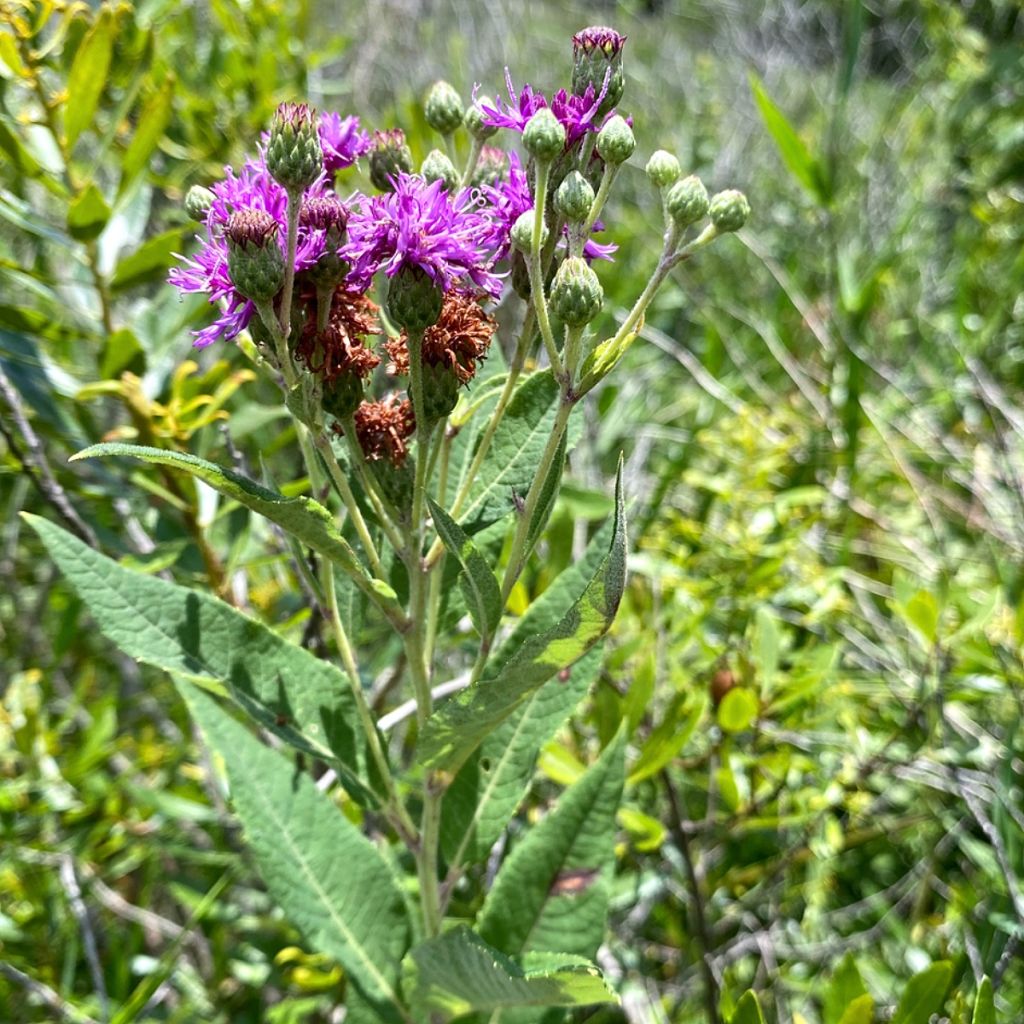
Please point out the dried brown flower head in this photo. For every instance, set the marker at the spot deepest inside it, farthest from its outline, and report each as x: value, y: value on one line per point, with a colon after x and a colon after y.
x: 339, y: 347
x: 383, y: 427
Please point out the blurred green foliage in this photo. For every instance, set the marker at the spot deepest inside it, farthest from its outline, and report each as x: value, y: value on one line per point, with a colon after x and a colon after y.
x: 819, y: 656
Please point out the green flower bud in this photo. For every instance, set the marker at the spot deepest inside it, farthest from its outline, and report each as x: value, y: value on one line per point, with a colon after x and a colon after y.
x: 521, y: 234
x: 663, y: 168
x: 544, y: 136
x: 729, y: 210
x: 397, y: 482
x: 294, y: 155
x: 414, y: 299
x: 491, y: 167
x: 255, y: 261
x: 574, y: 197
x: 520, y: 275
x: 576, y: 294
x: 342, y: 395
x: 198, y: 201
x: 327, y: 214
x: 443, y: 108
x: 597, y: 59
x: 437, y: 167
x: 474, y: 119
x: 615, y: 141
x: 440, y: 391
x: 389, y: 157
x: 687, y: 201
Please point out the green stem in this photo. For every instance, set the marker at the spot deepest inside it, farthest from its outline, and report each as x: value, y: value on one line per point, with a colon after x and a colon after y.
x: 415, y: 342
x: 534, y: 265
x: 381, y: 507
x: 610, y: 170
x: 430, y: 835
x: 475, y: 149
x: 285, y: 314
x: 573, y: 340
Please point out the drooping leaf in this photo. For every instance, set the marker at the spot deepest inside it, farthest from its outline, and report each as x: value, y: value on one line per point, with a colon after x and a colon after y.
x: 924, y: 995
x: 88, y: 214
x: 516, y: 673
x: 984, y: 1003
x: 479, y: 585
x: 88, y: 75
x: 748, y: 1010
x: 303, y: 700
x: 458, y: 973
x: 324, y: 873
x: 492, y: 783
x: 552, y: 891
x: 845, y: 986
x: 153, y: 121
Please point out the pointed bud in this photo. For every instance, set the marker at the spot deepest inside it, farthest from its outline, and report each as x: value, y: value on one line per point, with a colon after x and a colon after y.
x: 729, y: 210
x: 576, y: 294
x: 687, y: 201
x: 255, y: 261
x: 440, y: 392
x: 615, y: 141
x: 438, y: 167
x: 414, y: 299
x: 389, y: 157
x: 342, y: 395
x: 574, y: 197
x: 491, y: 167
x: 521, y: 234
x: 294, y: 156
x: 443, y: 108
x: 475, y: 124
x: 597, y: 60
x: 327, y: 214
x: 663, y: 168
x: 198, y: 201
x: 544, y: 136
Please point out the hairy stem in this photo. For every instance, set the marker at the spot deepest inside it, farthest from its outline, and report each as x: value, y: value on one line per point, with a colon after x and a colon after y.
x: 294, y: 200
x: 535, y: 267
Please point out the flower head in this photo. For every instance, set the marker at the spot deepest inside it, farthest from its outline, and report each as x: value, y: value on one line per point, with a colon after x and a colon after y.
x: 342, y: 141
x: 338, y: 349
x: 382, y: 429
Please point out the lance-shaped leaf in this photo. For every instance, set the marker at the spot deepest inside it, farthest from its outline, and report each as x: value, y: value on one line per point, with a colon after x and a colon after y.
x: 552, y: 891
x: 478, y: 583
x: 458, y: 973
x: 492, y: 783
x: 305, y: 701
x: 459, y: 726
x: 327, y: 877
x: 748, y: 1010
x: 924, y: 995
x: 984, y: 1003
x: 305, y: 519
x: 88, y: 75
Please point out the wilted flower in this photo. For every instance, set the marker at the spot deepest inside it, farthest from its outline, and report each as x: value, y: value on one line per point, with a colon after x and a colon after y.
x: 342, y: 141
x: 382, y: 429
x: 339, y: 348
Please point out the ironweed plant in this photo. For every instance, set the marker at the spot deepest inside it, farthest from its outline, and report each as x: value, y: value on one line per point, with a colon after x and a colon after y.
x: 433, y: 460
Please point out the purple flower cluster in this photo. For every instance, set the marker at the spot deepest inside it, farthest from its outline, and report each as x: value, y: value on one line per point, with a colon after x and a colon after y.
x: 342, y: 141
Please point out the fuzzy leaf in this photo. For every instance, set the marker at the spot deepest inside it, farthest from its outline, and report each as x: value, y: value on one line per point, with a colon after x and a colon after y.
x: 326, y: 875
x: 515, y: 674
x: 552, y: 891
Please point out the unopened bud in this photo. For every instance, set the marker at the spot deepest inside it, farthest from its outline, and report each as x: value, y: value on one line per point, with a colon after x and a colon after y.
x: 295, y: 157
x: 615, y: 141
x: 729, y: 210
x: 198, y: 201
x: 491, y: 166
x: 443, y: 108
x: 597, y: 59
x: 440, y: 391
x: 342, y: 395
x: 544, y: 136
x: 521, y: 234
x: 663, y: 168
x: 414, y: 299
x: 576, y: 294
x: 438, y: 167
x: 474, y: 119
x: 574, y: 198
x: 327, y: 214
x: 687, y: 201
x: 389, y: 157
x: 255, y: 261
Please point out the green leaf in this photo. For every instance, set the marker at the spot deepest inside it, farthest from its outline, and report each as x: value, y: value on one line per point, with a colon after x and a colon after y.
x: 148, y: 262
x: 669, y: 736
x: 303, y: 700
x: 305, y: 519
x: 479, y: 585
x: 122, y: 351
x: 516, y: 673
x: 737, y: 710
x: 792, y: 149
x: 552, y: 891
x: 845, y: 986
x: 548, y: 494
x: 748, y: 1010
x: 153, y: 121
x: 88, y: 75
x: 924, y: 995
x: 88, y: 214
x: 984, y: 1003
x: 328, y: 878
x: 492, y: 783
x: 860, y: 1011
x: 458, y: 973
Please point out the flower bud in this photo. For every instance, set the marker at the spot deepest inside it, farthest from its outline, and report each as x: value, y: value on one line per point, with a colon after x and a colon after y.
x: 389, y: 157
x: 544, y: 136
x: 255, y: 261
x: 576, y: 294
x: 521, y: 234
x: 438, y: 167
x: 520, y: 275
x: 687, y: 201
x: 729, y: 210
x: 294, y: 154
x: 198, y: 201
x: 491, y: 167
x: 440, y: 392
x: 597, y: 57
x: 574, y: 197
x: 414, y: 299
x: 615, y: 141
x: 663, y: 168
x: 443, y: 108
x: 474, y: 119
x: 342, y: 395
x: 327, y: 214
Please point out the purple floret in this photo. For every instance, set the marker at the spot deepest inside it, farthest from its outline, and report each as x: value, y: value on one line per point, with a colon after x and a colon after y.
x: 342, y: 141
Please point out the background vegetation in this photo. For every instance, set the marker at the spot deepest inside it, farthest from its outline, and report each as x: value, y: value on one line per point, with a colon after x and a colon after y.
x: 819, y: 655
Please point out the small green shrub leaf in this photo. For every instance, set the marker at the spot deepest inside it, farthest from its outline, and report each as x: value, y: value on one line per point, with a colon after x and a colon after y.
x: 924, y: 995
x: 88, y: 214
x: 860, y: 1011
x: 748, y: 1010
x: 984, y: 1004
x: 88, y: 75
x: 737, y: 710
x: 845, y: 986
x: 153, y: 121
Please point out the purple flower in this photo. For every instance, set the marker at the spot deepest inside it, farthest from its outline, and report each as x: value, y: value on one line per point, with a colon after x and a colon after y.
x: 342, y: 141
x: 420, y: 225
